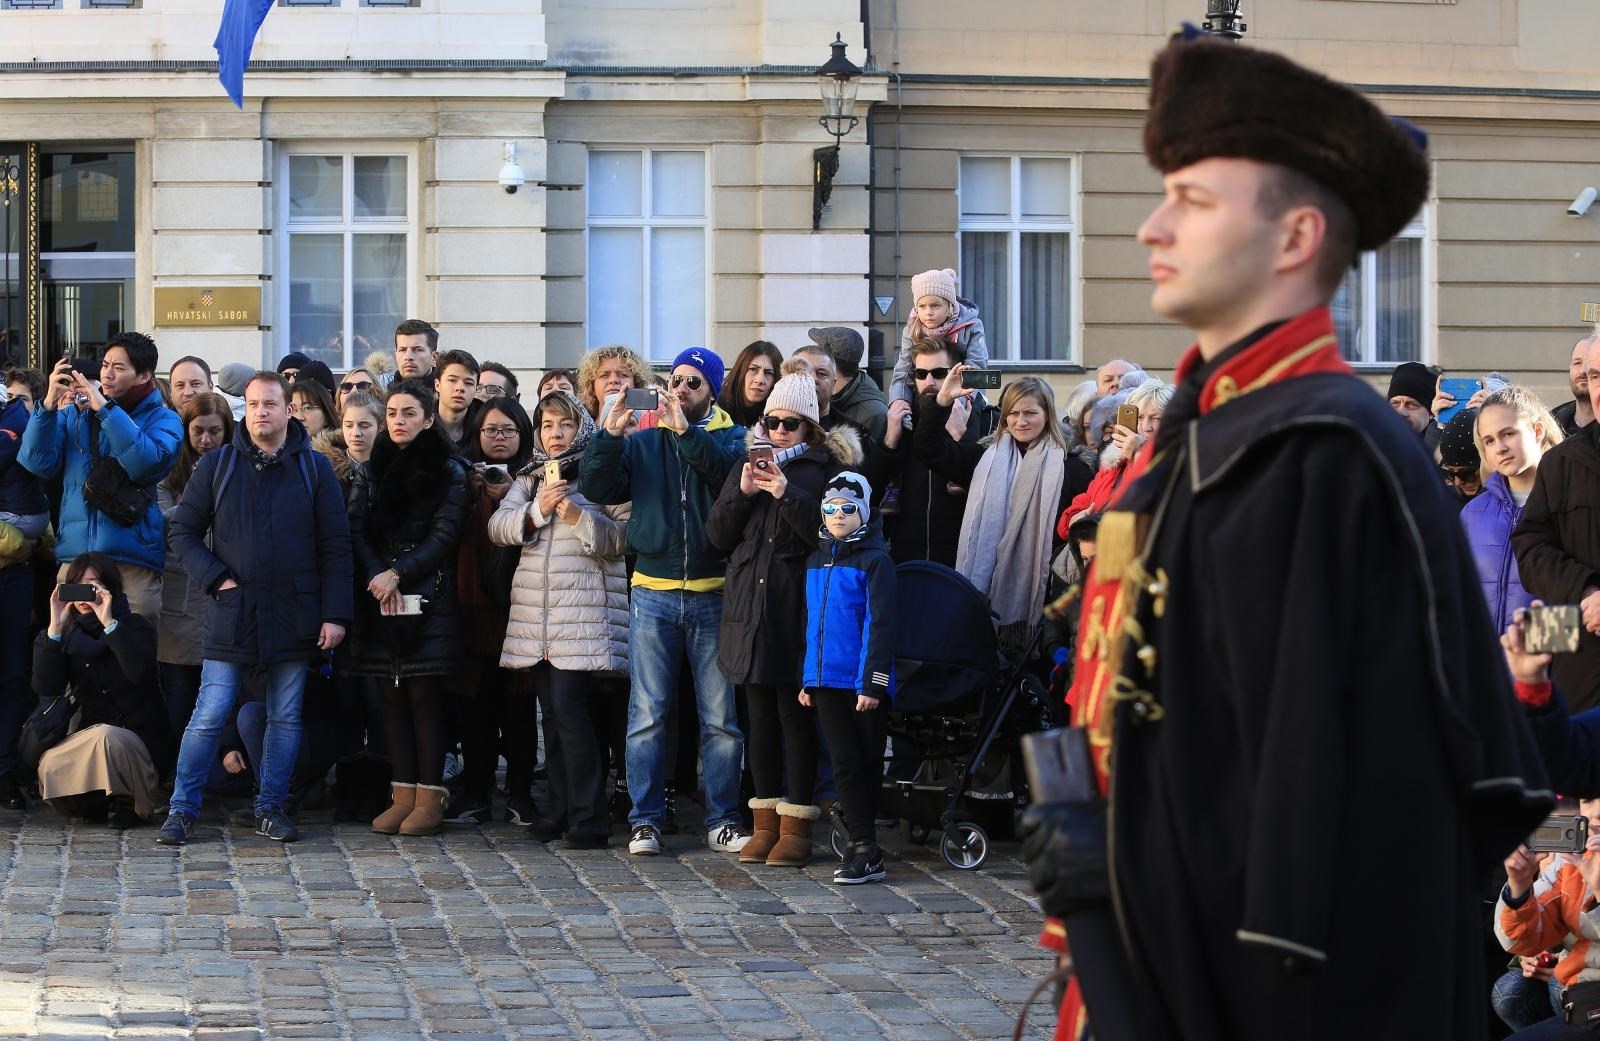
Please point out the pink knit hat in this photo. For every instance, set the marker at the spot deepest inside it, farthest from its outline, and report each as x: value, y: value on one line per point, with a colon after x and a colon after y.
x: 938, y: 282
x: 795, y: 393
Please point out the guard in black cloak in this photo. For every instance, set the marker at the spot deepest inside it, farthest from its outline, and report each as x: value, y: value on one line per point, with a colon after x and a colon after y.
x: 1302, y: 726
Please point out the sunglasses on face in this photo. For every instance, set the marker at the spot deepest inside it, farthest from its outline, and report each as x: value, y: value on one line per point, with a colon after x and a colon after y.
x: 789, y: 423
x: 694, y: 382
x: 1464, y: 476
x: 938, y: 374
x: 830, y: 508
x: 347, y: 386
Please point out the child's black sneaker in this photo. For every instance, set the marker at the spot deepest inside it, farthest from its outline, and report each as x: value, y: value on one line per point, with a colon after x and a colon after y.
x: 862, y: 863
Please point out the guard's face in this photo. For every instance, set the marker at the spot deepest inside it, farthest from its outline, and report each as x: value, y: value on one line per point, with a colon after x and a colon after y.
x: 1211, y: 250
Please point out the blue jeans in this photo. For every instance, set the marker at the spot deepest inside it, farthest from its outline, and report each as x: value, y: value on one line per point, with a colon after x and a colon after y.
x: 219, y: 689
x: 666, y: 627
x: 1521, y: 1002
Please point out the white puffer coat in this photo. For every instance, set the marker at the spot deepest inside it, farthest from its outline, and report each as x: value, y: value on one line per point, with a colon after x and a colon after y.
x: 569, y: 598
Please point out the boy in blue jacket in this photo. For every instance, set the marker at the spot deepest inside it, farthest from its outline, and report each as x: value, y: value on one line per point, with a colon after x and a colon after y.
x: 849, y: 666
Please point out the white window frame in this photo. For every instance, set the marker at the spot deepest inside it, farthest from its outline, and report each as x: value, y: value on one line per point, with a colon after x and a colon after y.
x: 1367, y: 265
x: 1011, y: 353
x: 648, y: 223
x: 410, y: 226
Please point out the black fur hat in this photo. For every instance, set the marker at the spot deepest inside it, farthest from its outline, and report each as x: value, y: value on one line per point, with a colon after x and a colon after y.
x: 1210, y: 98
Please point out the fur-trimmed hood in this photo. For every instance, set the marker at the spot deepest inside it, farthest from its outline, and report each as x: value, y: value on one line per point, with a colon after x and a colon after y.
x: 330, y: 443
x: 841, y: 444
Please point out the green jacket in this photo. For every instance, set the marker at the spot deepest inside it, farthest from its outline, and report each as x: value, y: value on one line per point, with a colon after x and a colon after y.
x: 672, y: 481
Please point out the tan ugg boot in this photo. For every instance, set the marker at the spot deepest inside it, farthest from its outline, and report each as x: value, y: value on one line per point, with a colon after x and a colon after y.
x: 428, y: 816
x: 402, y: 800
x: 765, y: 833
x: 794, y: 835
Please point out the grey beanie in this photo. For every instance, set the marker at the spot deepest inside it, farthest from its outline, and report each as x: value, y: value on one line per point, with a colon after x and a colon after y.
x: 234, y: 378
x: 851, y: 487
x: 841, y: 341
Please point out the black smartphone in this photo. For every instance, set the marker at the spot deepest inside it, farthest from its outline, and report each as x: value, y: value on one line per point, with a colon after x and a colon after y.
x: 1552, y: 629
x: 77, y: 593
x: 1560, y: 834
x: 981, y: 379
x: 647, y: 399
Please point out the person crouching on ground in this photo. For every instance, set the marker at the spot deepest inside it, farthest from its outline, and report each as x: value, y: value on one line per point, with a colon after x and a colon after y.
x: 849, y: 664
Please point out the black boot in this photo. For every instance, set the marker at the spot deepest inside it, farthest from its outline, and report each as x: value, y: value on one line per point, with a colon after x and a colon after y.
x: 11, y: 796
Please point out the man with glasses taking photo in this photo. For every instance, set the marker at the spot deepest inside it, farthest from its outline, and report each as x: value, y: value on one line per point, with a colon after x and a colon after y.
x: 927, y: 523
x: 672, y: 474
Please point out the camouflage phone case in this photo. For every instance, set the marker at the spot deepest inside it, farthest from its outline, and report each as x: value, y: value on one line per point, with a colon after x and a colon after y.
x: 1552, y: 630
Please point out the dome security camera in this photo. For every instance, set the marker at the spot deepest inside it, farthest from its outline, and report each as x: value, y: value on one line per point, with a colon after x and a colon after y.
x: 1581, y: 204
x: 511, y: 175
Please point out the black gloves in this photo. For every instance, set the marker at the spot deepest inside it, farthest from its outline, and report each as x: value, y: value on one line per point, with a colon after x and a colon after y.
x: 1065, y: 847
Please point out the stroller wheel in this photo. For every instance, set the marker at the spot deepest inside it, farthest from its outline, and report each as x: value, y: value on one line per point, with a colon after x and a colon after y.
x: 917, y: 832
x: 965, y: 847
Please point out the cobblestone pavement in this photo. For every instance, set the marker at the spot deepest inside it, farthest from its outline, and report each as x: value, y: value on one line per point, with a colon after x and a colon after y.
x: 481, y: 934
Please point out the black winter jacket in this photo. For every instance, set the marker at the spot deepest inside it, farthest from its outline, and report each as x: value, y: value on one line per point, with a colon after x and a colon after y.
x: 1557, y: 543
x: 120, y: 686
x: 278, y: 529
x: 928, y: 523
x: 407, y: 506
x: 762, y: 639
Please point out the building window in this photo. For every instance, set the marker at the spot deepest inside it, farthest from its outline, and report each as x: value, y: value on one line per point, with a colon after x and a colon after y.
x: 346, y: 248
x: 391, y: 3
x: 1378, y: 310
x: 30, y: 5
x: 647, y: 250
x: 308, y: 3
x: 1017, y: 250
x: 126, y: 4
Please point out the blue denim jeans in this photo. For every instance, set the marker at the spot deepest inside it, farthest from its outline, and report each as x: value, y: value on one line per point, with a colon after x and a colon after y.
x: 666, y: 627
x: 219, y: 689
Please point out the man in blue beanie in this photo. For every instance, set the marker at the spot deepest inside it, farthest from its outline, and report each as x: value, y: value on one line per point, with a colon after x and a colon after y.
x: 672, y: 473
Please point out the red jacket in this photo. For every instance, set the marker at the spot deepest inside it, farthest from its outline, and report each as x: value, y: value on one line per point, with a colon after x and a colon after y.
x: 1096, y: 498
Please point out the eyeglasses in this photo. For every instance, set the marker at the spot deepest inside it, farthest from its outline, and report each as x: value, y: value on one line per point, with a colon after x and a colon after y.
x: 348, y: 386
x: 830, y: 508
x: 938, y: 374
x: 499, y: 433
x: 694, y: 382
x: 491, y: 390
x: 789, y: 423
x: 297, y: 410
x: 1466, y: 475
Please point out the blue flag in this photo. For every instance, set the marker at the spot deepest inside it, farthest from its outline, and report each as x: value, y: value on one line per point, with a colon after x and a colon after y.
x: 241, y: 20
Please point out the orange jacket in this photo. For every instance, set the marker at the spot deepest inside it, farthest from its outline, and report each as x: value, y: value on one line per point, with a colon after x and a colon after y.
x: 1565, y: 912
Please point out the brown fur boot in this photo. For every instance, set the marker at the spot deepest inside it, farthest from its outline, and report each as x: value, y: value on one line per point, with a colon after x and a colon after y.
x: 402, y: 800
x: 765, y: 833
x: 795, y: 823
x: 428, y: 816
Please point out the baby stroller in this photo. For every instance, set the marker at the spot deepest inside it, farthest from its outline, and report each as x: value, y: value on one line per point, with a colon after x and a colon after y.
x: 963, y: 707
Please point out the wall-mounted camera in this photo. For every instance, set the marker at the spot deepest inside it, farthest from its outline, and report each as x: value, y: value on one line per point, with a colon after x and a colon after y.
x: 511, y: 175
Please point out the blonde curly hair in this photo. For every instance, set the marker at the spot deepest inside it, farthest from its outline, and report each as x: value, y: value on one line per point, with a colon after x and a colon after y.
x: 589, y: 368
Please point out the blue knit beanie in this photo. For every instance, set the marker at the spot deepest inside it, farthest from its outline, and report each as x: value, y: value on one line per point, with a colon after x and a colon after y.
x: 705, y: 359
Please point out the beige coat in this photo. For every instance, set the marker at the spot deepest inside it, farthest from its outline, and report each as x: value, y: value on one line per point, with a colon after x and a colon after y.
x: 569, y: 599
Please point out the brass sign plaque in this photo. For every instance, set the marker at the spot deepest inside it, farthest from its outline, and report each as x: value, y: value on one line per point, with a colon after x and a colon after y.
x: 199, y: 305
x: 1590, y: 313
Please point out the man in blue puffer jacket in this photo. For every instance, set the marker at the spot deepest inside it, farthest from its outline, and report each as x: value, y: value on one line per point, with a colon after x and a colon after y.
x: 129, y: 423
x: 672, y: 474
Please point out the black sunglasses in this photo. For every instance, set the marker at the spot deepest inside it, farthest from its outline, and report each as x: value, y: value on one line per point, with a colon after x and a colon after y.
x: 347, y: 386
x: 1465, y: 475
x: 789, y: 423
x: 938, y: 374
x: 694, y: 382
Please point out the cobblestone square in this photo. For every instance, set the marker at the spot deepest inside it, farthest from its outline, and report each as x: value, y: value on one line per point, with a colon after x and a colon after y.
x: 484, y: 934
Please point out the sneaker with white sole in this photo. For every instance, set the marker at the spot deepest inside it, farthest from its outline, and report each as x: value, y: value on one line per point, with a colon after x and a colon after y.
x: 646, y: 841
x: 729, y: 838
x: 862, y: 864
